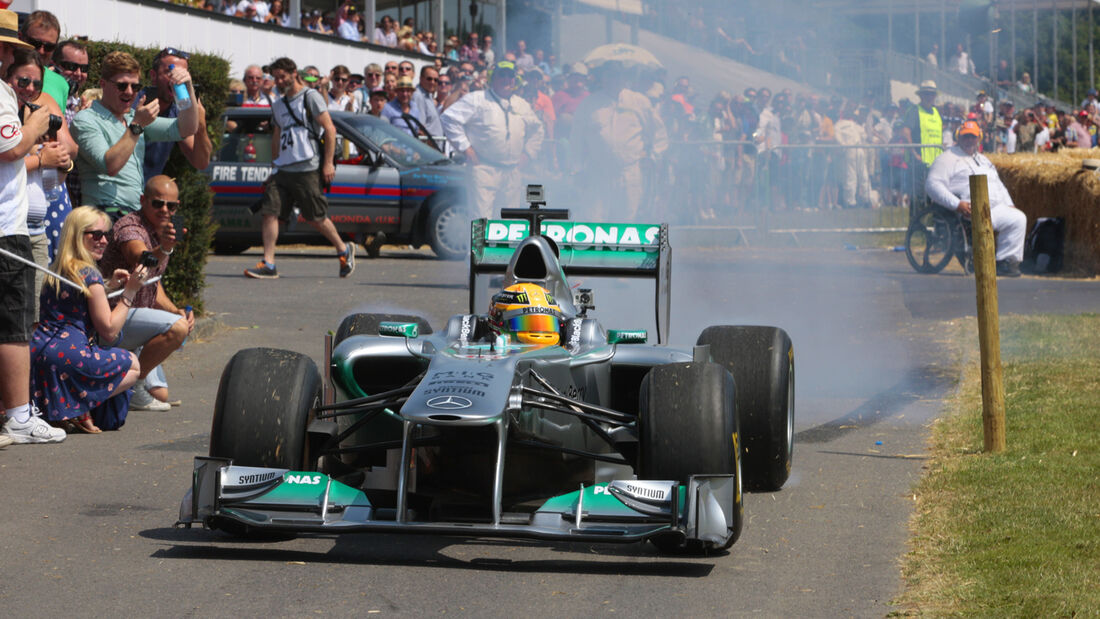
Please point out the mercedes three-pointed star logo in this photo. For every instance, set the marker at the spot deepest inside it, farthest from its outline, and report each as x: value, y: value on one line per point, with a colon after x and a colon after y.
x: 449, y: 402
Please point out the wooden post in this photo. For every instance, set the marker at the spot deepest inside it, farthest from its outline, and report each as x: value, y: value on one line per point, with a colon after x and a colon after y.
x: 989, y: 339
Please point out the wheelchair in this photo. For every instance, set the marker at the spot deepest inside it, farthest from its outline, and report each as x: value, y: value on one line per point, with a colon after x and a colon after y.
x: 935, y: 236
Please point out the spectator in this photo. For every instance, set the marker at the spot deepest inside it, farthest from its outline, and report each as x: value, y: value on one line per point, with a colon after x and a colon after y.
x: 1024, y: 85
x: 470, y: 52
x: 1026, y: 129
x: 268, y: 88
x: 24, y: 75
x: 961, y: 61
x: 1077, y: 135
x: 391, y: 67
x: 389, y: 84
x: 488, y: 56
x: 16, y: 279
x: 855, y: 182
x: 236, y: 91
x: 540, y: 62
x: 349, y: 26
x: 72, y: 376
x: 567, y: 99
x: 41, y: 30
x: 424, y: 98
x: 385, y: 33
x: 254, y: 96
x: 1090, y: 105
x: 253, y: 10
x: 111, y: 132
x: 373, y: 75
x: 533, y: 92
x: 406, y: 69
x: 933, y: 57
x: 70, y: 59
x: 1004, y: 74
x: 616, y: 138
x: 948, y: 184
x: 443, y: 88
x: 398, y: 111
x: 295, y: 181
x: 355, y: 91
x: 450, y: 50
x: 279, y: 14
x: 524, y: 60
x: 499, y: 134
x: 196, y: 147
x: 155, y: 327
x: 336, y: 98
x: 922, y: 124
x: 378, y: 100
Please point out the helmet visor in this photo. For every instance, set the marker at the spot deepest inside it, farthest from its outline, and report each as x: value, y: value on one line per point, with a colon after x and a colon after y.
x: 541, y: 323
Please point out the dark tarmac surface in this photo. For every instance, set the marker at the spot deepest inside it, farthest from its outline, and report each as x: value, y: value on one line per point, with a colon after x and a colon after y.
x: 89, y: 522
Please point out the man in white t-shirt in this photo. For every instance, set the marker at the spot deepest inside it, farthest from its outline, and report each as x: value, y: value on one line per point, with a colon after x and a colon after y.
x: 17, y: 138
x: 303, y: 147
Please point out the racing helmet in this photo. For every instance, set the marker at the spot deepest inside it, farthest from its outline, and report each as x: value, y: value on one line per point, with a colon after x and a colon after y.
x: 528, y: 313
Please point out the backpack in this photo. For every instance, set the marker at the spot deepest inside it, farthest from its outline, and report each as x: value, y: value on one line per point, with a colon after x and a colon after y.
x: 1045, y: 247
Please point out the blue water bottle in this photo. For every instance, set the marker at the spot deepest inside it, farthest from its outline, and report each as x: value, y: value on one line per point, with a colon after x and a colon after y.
x: 183, y: 96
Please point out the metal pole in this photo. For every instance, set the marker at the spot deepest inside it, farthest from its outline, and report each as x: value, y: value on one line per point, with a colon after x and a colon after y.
x: 916, y: 27
x: 1035, y: 47
x: 1013, y: 37
x: 890, y: 26
x: 985, y: 278
x: 1092, y: 72
x: 1054, y: 50
x: 1073, y: 41
x: 943, y: 33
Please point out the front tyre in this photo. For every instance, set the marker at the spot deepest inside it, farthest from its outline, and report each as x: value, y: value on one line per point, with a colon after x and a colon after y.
x: 687, y: 425
x: 761, y: 360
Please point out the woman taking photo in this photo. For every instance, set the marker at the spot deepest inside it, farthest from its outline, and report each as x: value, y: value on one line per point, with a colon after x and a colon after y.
x: 70, y: 375
x: 55, y: 152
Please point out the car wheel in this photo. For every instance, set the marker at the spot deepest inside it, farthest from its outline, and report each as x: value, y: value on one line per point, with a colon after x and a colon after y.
x: 367, y: 324
x: 448, y: 230
x: 761, y: 361
x: 265, y: 401
x: 687, y: 425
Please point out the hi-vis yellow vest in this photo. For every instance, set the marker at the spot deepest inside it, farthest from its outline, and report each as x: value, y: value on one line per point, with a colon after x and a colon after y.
x: 931, y: 132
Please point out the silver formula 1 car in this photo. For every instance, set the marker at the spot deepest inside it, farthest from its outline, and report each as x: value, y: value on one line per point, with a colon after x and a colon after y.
x: 477, y: 430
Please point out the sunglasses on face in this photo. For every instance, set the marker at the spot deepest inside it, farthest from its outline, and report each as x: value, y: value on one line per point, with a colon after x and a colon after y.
x: 23, y: 82
x: 171, y: 205
x: 444, y: 82
x: 339, y: 79
x: 97, y: 235
x: 124, y: 86
x: 430, y: 79
x: 42, y: 45
x: 405, y: 69
x: 72, y: 66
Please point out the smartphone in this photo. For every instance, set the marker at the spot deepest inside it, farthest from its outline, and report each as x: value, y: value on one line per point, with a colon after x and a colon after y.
x: 177, y: 223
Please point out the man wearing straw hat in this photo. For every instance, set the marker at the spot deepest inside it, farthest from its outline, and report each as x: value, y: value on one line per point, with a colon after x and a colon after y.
x: 17, y: 137
x: 948, y: 185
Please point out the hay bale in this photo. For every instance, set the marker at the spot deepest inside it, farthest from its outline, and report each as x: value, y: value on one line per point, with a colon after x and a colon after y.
x: 1055, y: 185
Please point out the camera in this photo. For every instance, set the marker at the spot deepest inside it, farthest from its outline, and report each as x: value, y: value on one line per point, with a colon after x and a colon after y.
x: 536, y: 194
x: 149, y: 259
x: 55, y: 121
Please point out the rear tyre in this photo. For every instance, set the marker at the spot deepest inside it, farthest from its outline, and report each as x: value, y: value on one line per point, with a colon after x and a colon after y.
x: 930, y: 241
x: 265, y: 402
x: 367, y: 324
x: 687, y: 425
x: 448, y: 230
x: 761, y: 361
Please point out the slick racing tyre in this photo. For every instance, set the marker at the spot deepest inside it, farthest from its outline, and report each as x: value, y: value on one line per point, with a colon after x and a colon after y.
x: 367, y: 324
x: 761, y: 360
x: 448, y: 229
x: 265, y: 401
x: 687, y: 425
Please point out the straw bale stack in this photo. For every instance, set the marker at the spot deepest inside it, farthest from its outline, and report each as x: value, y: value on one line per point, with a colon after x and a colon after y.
x: 1055, y: 185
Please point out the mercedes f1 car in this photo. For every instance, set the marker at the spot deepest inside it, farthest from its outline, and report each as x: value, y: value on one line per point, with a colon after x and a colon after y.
x: 530, y: 421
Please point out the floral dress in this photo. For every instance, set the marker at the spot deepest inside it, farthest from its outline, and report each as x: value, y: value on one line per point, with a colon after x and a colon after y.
x: 70, y: 375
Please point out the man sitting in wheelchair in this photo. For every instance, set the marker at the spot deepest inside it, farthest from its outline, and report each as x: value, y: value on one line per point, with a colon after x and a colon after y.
x: 948, y: 184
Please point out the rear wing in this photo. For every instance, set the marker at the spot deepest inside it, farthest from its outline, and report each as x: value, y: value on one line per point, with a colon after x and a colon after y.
x: 584, y: 248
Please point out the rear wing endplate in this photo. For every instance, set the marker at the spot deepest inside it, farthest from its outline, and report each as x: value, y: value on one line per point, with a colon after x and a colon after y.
x: 584, y: 248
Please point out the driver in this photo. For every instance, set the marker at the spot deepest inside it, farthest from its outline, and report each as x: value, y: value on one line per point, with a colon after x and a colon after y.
x: 526, y: 313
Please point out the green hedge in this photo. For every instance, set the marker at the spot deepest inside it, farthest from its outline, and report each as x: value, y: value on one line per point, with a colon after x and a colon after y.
x: 184, y: 279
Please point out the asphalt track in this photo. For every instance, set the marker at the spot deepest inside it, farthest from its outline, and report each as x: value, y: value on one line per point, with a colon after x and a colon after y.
x: 88, y: 523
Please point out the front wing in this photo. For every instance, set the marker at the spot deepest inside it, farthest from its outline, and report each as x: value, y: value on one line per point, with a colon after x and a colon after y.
x: 279, y: 500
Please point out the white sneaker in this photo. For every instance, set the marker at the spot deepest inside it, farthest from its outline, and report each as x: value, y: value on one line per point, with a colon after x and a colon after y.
x: 152, y: 405
x: 35, y: 430
x: 5, y: 440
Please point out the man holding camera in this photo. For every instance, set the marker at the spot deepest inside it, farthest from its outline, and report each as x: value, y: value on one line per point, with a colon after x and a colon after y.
x: 112, y: 136
x: 155, y: 327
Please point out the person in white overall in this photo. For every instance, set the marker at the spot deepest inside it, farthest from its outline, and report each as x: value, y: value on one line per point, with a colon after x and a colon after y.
x: 948, y: 184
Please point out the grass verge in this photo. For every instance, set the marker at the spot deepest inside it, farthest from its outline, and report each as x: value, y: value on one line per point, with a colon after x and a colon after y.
x: 1017, y: 533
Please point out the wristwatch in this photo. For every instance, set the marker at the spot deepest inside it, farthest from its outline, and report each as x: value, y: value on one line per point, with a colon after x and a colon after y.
x: 136, y: 129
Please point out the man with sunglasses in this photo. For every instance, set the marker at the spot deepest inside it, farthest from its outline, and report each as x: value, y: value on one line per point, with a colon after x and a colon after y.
x: 41, y: 31
x: 70, y: 59
x: 17, y: 138
x: 112, y: 134
x: 155, y: 326
x: 196, y: 148
x: 424, y: 100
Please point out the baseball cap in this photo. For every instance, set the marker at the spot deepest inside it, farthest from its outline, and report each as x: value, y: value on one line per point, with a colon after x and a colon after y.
x: 970, y: 127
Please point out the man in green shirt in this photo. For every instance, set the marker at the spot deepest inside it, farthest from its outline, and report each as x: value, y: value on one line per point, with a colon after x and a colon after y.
x: 112, y: 136
x: 41, y: 31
